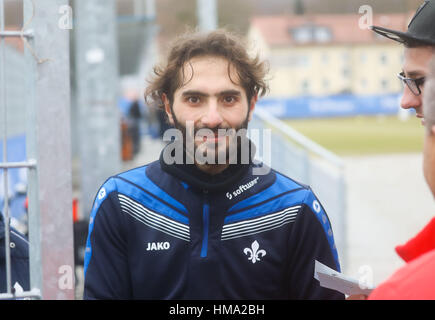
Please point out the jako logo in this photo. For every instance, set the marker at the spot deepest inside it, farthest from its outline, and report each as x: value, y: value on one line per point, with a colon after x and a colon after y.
x: 154, y: 246
x: 242, y: 188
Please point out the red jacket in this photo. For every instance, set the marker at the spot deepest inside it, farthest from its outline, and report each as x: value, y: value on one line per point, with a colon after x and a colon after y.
x: 415, y: 280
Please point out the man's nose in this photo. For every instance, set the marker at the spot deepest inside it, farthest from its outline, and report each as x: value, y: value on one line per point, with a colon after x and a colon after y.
x: 410, y: 100
x: 212, y: 119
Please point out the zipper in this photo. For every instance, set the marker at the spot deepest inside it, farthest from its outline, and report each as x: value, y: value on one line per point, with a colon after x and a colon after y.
x: 205, y: 224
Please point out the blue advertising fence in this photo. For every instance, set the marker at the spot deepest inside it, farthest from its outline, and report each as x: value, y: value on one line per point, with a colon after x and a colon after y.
x: 331, y: 106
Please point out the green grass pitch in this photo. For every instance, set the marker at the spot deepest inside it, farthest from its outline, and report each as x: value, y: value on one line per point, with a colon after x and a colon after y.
x: 363, y: 135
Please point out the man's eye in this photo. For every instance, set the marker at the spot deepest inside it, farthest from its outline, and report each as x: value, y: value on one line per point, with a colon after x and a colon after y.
x: 193, y: 100
x: 230, y: 99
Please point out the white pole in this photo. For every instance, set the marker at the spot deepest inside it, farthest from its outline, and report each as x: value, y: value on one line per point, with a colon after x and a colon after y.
x: 207, y: 15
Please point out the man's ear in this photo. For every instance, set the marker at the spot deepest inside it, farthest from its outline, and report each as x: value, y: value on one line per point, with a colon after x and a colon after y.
x: 432, y: 130
x: 168, y: 110
x: 252, y: 104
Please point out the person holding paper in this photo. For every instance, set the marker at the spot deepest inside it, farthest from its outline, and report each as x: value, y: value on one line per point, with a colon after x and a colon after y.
x: 416, y: 280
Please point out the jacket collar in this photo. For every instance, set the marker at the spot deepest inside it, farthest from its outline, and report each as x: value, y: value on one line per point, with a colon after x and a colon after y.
x: 190, y: 174
x: 422, y: 243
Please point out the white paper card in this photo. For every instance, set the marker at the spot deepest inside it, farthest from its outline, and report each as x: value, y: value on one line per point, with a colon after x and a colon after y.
x: 331, y: 279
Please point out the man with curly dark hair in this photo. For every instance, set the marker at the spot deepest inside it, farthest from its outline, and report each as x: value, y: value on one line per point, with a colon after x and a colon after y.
x: 203, y: 222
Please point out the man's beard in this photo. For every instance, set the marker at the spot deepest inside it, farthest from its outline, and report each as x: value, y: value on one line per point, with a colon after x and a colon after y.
x: 235, y: 149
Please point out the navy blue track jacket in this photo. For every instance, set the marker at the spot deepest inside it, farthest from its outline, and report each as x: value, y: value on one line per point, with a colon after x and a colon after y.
x: 19, y: 250
x: 173, y: 232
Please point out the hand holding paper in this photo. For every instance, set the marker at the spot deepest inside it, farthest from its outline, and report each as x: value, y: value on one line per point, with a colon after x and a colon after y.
x: 331, y: 279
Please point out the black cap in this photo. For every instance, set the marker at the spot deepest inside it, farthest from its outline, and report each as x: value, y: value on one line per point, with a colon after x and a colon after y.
x: 421, y: 29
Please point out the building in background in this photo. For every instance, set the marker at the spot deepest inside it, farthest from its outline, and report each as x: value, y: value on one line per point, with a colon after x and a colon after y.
x: 337, y: 67
x: 328, y: 54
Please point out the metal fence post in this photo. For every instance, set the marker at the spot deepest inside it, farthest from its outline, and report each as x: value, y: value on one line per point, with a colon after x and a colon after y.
x: 4, y: 109
x: 96, y: 53
x: 48, y: 142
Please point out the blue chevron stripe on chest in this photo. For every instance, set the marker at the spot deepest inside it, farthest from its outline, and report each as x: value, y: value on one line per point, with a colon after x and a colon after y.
x: 143, y: 190
x: 281, y: 185
x: 279, y: 203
